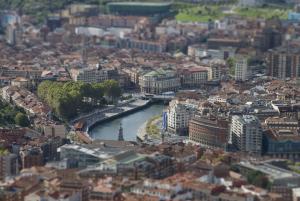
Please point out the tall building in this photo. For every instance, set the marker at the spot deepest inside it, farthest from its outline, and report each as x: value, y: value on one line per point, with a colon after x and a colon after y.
x: 284, y: 62
x: 31, y: 156
x: 13, y: 34
x: 246, y: 134
x: 209, y: 131
x: 8, y: 164
x: 179, y: 116
x: 241, y: 68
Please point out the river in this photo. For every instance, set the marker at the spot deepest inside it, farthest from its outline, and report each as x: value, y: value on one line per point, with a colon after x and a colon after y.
x: 109, y: 130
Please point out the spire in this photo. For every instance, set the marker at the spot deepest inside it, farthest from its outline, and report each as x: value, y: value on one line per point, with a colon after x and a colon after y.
x: 121, y: 137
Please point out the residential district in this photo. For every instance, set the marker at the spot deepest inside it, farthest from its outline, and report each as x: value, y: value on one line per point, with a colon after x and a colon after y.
x: 228, y: 77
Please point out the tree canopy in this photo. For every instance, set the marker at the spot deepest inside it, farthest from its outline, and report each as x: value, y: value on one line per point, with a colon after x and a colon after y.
x: 22, y: 120
x: 8, y: 114
x: 72, y: 98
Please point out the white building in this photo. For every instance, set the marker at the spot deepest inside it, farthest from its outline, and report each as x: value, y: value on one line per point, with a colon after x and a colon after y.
x: 246, y: 134
x: 179, y: 115
x: 159, y: 81
x: 89, y: 75
x: 241, y: 68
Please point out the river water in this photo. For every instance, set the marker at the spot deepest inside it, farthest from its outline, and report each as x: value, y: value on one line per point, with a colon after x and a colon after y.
x: 131, y: 123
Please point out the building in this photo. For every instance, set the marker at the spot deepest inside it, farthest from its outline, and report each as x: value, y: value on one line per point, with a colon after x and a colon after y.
x: 145, y: 45
x: 10, y: 193
x: 284, y: 62
x: 55, y: 130
x: 179, y: 115
x: 193, y: 76
x: 8, y: 165
x: 282, y: 123
x: 159, y: 81
x: 246, y: 134
x: 214, y: 71
x: 209, y: 131
x: 31, y: 156
x: 283, y: 180
x: 281, y: 144
x: 89, y: 75
x: 13, y: 34
x: 21, y: 82
x: 241, y: 68
x: 91, y: 154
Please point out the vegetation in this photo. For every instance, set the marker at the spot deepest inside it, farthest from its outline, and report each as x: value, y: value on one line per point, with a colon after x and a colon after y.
x: 22, y: 120
x: 199, y: 14
x: 231, y: 64
x: 151, y: 127
x: 8, y: 114
x: 257, y: 178
x: 3, y: 151
x: 72, y: 98
x: 187, y: 13
x: 41, y: 8
x: 262, y: 12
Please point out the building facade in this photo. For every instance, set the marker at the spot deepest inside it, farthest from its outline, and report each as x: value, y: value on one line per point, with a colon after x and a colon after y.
x: 284, y: 62
x: 8, y: 165
x: 246, y: 134
x: 241, y: 68
x: 210, y: 132
x: 179, y: 116
x: 159, y: 81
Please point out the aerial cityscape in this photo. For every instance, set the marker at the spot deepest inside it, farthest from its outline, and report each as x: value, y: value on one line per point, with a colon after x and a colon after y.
x: 150, y: 100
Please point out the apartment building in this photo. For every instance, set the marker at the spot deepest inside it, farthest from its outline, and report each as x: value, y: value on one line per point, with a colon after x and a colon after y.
x: 246, y: 134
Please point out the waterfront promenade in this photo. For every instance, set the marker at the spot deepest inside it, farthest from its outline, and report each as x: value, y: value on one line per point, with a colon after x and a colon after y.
x: 109, y: 112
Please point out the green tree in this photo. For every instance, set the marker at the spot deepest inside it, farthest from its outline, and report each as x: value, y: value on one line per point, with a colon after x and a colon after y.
x: 22, y: 120
x: 112, y: 89
x: 231, y: 64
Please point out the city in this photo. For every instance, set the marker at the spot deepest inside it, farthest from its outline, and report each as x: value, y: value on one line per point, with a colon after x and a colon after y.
x: 153, y: 100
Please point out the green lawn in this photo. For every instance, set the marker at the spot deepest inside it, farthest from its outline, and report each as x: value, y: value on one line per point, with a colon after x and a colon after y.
x: 265, y: 13
x: 214, y: 12
x: 199, y: 14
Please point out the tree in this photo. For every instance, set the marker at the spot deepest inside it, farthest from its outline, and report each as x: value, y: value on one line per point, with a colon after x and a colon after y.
x: 231, y: 64
x: 22, y: 120
x: 257, y: 178
x: 112, y: 89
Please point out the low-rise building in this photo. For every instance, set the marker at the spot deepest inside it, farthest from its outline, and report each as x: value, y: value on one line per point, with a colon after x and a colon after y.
x: 89, y: 75
x: 159, y: 81
x: 193, y: 76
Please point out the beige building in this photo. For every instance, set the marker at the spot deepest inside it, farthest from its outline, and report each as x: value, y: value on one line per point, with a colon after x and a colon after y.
x: 55, y: 130
x: 21, y: 82
x: 159, y: 81
x: 89, y: 75
x: 193, y: 76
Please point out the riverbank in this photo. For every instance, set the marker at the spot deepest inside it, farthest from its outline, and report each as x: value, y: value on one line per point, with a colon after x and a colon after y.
x: 110, y: 113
